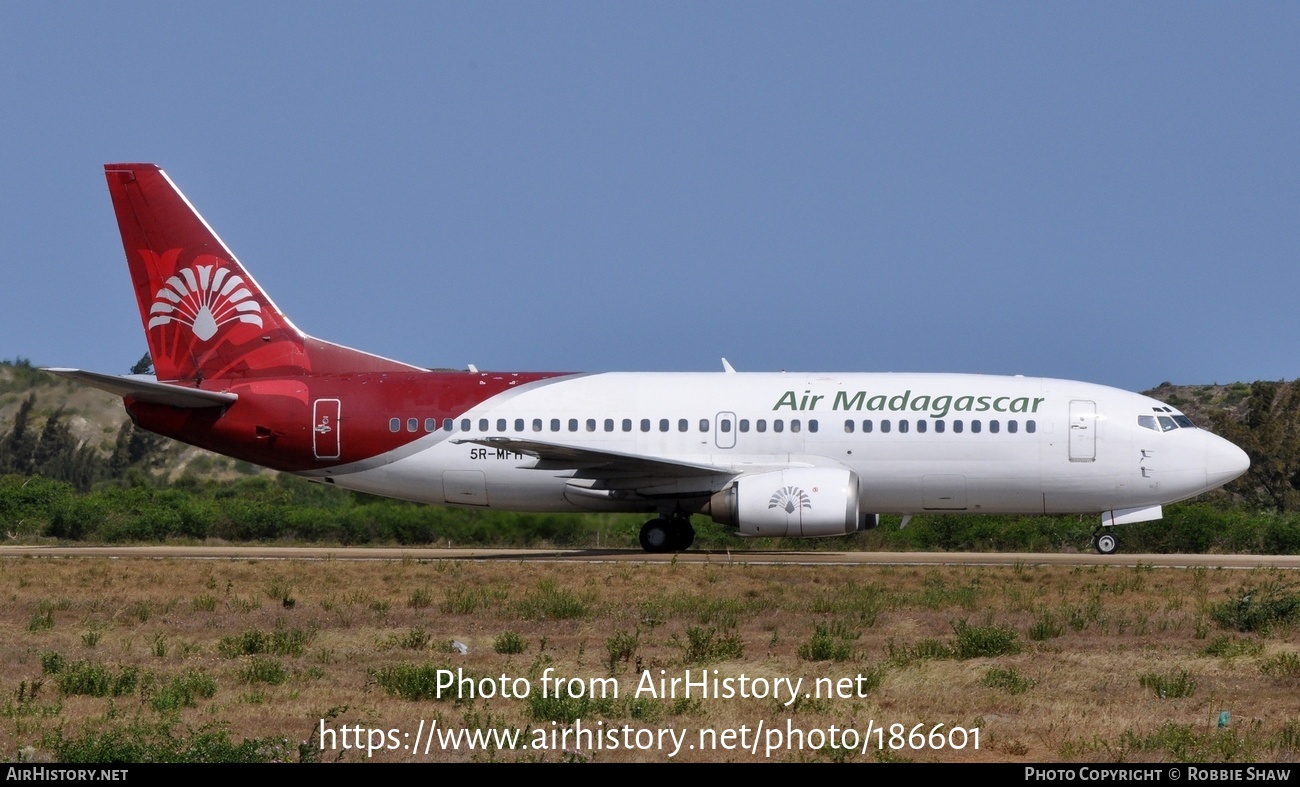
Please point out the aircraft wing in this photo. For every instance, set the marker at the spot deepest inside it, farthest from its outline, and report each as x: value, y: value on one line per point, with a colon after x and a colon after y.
x: 597, y: 463
x: 147, y: 389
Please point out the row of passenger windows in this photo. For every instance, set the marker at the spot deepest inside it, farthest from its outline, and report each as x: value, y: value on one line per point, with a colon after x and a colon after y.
x: 939, y: 425
x: 760, y: 425
x: 593, y: 425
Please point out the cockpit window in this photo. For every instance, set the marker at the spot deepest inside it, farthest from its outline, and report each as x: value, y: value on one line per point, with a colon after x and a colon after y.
x: 1165, y: 423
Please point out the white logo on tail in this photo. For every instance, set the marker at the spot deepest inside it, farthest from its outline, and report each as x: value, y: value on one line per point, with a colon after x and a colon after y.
x: 205, y: 297
x: 790, y: 498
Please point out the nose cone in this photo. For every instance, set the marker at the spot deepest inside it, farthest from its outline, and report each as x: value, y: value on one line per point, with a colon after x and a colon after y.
x: 1223, y: 461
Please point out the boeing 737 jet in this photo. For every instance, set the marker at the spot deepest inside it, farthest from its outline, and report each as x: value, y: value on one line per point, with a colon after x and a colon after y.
x: 788, y: 454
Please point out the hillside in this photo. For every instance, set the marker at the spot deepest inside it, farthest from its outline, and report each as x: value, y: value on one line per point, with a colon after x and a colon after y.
x: 1201, y: 403
x: 95, y: 419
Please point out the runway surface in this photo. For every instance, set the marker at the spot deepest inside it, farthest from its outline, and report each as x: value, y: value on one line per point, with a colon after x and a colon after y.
x: 611, y: 555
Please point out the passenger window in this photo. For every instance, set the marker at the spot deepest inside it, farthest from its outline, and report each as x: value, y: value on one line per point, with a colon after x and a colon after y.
x: 431, y: 424
x: 993, y: 426
x: 795, y: 425
x: 760, y: 425
x: 627, y: 424
x: 447, y: 424
x: 501, y: 424
x: 683, y: 425
x: 778, y: 425
x: 414, y: 423
x: 704, y: 424
x: 465, y: 424
x: 884, y: 425
x: 957, y: 426
x: 812, y: 425
x: 482, y: 424
x: 938, y: 426
x: 744, y: 424
x: 394, y: 424
x: 663, y: 424
x: 866, y: 426
x: 724, y: 426
x: 609, y: 424
x: 519, y: 424
x: 537, y: 424
x: 591, y: 424
x: 921, y: 425
x: 555, y: 424
x: 1031, y: 426
x: 645, y: 424
x: 975, y: 427
x: 1013, y: 427
x: 902, y: 426
x: 848, y: 426
x: 573, y: 424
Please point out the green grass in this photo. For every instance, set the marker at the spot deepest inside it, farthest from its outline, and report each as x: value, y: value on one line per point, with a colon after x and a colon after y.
x: 508, y: 643
x: 1172, y: 685
x: 1009, y: 680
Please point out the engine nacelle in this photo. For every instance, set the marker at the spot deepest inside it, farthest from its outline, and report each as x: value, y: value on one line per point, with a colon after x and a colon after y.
x: 800, y: 502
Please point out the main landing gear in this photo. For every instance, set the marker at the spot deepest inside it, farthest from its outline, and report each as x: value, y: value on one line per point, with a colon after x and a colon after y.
x: 1105, y: 542
x: 667, y: 534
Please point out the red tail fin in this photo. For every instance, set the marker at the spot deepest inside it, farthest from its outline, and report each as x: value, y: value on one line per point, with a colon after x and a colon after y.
x: 204, y: 316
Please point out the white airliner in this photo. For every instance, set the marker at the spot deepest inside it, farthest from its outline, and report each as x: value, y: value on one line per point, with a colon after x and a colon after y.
x: 789, y: 454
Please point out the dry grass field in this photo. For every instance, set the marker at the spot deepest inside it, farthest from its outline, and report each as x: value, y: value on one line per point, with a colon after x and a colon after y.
x: 137, y: 659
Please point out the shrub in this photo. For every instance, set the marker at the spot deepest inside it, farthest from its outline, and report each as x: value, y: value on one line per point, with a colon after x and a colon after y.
x: 96, y: 680
x: 414, y: 682
x: 827, y: 643
x: 705, y: 645
x: 1230, y: 647
x: 509, y: 642
x: 264, y: 670
x: 1008, y: 680
x: 975, y: 642
x: 1174, y: 685
x: 1283, y: 665
x: 620, y: 648
x: 183, y: 691
x: 1260, y: 608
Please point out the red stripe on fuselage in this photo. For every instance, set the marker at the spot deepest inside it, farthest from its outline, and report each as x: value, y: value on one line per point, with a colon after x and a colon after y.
x: 272, y: 422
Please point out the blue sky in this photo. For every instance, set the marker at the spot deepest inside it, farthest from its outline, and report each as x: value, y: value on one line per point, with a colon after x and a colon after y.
x: 1101, y: 191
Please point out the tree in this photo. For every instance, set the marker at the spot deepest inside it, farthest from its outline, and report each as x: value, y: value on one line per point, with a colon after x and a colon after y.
x: 56, y: 447
x: 18, y: 448
x: 144, y: 365
x: 1269, y: 433
x: 134, y: 447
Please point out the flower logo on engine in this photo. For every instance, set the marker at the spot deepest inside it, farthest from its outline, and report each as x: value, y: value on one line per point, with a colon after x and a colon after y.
x: 789, y: 499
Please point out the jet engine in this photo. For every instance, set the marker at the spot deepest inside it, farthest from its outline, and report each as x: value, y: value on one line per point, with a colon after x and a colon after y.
x: 800, y: 502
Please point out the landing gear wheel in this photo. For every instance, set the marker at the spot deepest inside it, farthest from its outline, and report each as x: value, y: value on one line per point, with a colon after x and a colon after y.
x: 657, y: 536
x: 1105, y: 543
x: 683, y: 534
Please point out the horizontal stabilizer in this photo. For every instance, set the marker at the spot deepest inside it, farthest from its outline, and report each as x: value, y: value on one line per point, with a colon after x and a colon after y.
x: 147, y: 389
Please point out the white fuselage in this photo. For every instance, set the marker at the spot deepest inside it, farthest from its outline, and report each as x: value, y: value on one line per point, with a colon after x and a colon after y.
x: 917, y: 442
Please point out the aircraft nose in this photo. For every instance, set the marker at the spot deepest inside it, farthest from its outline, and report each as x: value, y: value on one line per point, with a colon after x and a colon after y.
x: 1224, y: 461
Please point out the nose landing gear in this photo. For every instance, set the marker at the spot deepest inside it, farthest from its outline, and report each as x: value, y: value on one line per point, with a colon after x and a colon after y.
x: 1105, y: 542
